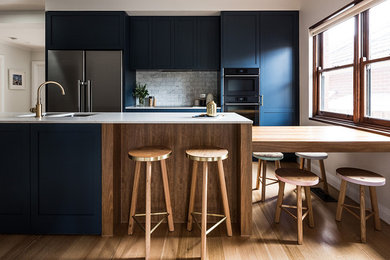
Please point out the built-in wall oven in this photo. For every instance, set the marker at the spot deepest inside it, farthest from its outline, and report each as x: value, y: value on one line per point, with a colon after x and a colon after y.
x: 241, y: 92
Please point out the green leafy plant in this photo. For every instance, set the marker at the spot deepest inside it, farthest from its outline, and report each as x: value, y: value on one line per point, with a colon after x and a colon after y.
x: 140, y: 92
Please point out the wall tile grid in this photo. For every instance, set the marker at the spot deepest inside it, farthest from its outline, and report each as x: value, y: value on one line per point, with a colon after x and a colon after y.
x: 178, y: 88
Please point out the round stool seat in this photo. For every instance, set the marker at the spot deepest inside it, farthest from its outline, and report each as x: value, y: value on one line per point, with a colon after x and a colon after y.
x: 296, y: 176
x: 276, y: 156
x: 207, y: 154
x: 150, y: 153
x: 312, y: 156
x: 361, y: 177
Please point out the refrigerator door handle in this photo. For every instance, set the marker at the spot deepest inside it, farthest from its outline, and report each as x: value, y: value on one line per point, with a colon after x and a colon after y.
x: 89, y: 96
x: 79, y: 83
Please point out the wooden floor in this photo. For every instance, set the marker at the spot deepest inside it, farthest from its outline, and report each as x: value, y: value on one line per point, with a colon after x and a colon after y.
x: 328, y: 240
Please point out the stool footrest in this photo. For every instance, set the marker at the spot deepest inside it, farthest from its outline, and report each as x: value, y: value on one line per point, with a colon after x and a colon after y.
x: 348, y: 207
x: 271, y: 179
x: 223, y: 218
x: 165, y: 214
x: 285, y: 209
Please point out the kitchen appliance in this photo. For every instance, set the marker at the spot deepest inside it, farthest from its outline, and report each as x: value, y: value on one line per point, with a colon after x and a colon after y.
x: 92, y: 81
x: 241, y: 92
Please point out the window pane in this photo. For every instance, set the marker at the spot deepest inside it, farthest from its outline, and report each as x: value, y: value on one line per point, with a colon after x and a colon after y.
x: 379, y: 30
x: 378, y: 90
x: 338, y: 44
x: 337, y: 91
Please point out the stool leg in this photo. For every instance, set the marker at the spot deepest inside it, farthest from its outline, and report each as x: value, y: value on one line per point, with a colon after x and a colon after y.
x: 133, y: 206
x: 263, y: 180
x: 374, y: 206
x: 192, y: 194
x: 224, y: 197
x: 204, y: 211
x: 279, y: 202
x: 323, y: 176
x: 148, y: 209
x: 299, y: 215
x: 308, y: 166
x: 309, y: 206
x: 167, y: 195
x: 302, y: 164
x: 340, y: 203
x: 277, y: 165
x: 259, y: 165
x: 362, y: 215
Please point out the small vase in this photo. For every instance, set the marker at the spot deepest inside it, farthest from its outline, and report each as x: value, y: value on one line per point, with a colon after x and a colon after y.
x: 141, y: 102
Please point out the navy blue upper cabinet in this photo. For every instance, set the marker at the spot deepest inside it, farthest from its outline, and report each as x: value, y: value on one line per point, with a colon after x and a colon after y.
x: 85, y: 30
x: 184, y: 42
x: 177, y: 42
x: 162, y: 42
x: 239, y: 39
x: 140, y: 42
x: 15, y: 178
x: 279, y: 63
x: 208, y: 43
x: 66, y: 178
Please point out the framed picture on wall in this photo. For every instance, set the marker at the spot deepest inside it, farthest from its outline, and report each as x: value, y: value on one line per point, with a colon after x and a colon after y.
x: 16, y: 79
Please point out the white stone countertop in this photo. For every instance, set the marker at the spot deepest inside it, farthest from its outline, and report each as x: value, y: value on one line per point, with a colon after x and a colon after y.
x: 126, y: 118
x: 167, y: 107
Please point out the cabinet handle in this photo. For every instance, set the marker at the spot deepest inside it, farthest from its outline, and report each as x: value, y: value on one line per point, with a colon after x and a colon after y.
x: 261, y: 100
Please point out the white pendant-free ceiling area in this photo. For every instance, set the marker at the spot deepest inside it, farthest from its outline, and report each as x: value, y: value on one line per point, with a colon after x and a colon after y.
x: 13, y: 5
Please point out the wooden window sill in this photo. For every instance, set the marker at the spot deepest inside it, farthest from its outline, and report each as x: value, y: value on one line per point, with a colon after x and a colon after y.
x: 360, y: 126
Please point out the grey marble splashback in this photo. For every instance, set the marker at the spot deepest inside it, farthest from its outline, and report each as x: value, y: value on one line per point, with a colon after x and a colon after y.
x: 178, y: 88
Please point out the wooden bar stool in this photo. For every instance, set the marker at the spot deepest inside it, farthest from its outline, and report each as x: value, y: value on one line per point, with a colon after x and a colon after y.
x: 363, y: 178
x: 149, y: 155
x: 206, y: 155
x: 300, y: 178
x: 314, y: 156
x: 262, y: 170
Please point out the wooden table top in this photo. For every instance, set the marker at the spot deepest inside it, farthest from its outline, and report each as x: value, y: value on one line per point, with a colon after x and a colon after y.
x: 316, y: 139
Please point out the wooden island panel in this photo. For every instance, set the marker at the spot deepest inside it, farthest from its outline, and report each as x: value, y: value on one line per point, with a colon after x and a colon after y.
x: 118, y: 174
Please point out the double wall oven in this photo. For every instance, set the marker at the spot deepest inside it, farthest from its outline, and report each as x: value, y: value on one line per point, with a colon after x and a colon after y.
x: 241, y: 92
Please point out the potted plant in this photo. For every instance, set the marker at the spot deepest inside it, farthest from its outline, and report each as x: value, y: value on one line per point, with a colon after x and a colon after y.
x: 141, y: 93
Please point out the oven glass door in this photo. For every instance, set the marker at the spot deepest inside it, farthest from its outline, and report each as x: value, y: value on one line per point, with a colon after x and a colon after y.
x: 249, y: 111
x: 241, y: 86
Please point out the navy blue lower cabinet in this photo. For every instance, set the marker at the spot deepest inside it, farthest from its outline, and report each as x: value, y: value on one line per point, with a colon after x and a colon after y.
x: 66, y: 178
x: 15, y: 178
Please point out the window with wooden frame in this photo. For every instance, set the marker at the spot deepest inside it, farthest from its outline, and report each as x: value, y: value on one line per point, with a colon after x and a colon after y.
x: 351, y: 67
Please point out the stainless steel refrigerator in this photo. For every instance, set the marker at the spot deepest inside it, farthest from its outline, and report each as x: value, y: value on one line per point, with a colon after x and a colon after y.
x: 92, y: 81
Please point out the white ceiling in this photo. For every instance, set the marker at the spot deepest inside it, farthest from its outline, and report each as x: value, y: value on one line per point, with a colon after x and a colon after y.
x: 25, y: 5
x: 29, y: 35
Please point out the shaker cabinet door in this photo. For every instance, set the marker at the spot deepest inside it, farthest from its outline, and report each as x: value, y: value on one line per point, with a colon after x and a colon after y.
x: 15, y: 178
x: 184, y: 42
x: 66, y: 179
x: 162, y: 42
x: 279, y: 68
x: 239, y: 39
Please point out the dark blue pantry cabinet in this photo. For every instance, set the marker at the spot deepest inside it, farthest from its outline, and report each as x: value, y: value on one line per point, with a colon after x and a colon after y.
x: 267, y: 40
x: 279, y: 68
x: 50, y: 178
x: 175, y: 42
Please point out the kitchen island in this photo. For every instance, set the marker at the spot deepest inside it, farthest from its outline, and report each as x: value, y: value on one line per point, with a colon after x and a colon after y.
x: 121, y: 132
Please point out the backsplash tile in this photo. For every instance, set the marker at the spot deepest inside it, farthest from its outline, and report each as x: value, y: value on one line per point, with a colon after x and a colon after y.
x: 175, y: 88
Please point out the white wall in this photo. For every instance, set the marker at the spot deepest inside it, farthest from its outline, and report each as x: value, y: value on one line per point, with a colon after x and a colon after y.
x: 313, y: 11
x: 20, y: 59
x: 38, y: 55
x: 172, y: 5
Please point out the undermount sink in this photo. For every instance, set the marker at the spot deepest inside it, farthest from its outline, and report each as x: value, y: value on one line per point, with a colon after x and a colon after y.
x: 51, y: 114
